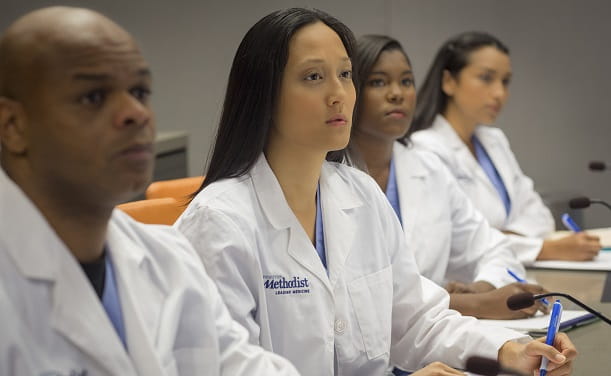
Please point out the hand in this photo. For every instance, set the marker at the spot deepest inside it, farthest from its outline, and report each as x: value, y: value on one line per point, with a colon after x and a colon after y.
x: 437, y: 369
x: 493, y: 304
x: 527, y: 358
x: 579, y: 246
x: 455, y: 287
x: 496, y: 302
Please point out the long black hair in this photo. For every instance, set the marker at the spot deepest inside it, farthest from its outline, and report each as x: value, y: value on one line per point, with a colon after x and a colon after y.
x: 453, y: 56
x: 368, y: 51
x: 253, y: 90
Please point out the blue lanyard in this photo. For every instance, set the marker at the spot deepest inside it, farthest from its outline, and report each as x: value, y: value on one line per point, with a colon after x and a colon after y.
x: 495, y: 178
x: 392, y: 192
x: 319, y: 232
x: 111, y: 302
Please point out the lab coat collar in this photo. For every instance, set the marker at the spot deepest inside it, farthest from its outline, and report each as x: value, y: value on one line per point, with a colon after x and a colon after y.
x: 270, y: 195
x: 411, y: 181
x: 274, y: 205
x: 337, y: 197
x: 142, y: 321
x: 471, y: 168
x: 77, y: 312
x: 20, y: 216
x: 338, y: 203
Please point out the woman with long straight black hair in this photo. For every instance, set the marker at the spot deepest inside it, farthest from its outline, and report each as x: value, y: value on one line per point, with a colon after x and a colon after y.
x: 461, y: 97
x: 307, y: 253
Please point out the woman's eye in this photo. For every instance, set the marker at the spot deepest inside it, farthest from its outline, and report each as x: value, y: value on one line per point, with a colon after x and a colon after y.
x: 376, y: 82
x: 486, y: 78
x: 408, y: 82
x: 141, y: 93
x: 94, y: 97
x: 313, y: 77
x: 346, y: 74
x: 506, y: 82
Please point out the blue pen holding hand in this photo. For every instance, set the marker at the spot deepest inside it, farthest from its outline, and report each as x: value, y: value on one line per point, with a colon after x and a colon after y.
x: 552, y: 330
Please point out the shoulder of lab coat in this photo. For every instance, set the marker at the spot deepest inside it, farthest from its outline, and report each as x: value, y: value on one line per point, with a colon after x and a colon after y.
x: 175, y: 321
x: 462, y: 245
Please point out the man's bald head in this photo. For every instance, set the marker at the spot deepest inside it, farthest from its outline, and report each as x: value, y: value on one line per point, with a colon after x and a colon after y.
x: 44, y: 38
x: 75, y: 118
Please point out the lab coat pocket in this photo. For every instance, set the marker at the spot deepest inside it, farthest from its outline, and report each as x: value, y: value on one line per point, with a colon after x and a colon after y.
x: 191, y: 361
x: 371, y: 297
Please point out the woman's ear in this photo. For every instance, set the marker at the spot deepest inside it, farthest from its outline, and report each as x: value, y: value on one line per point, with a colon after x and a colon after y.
x: 13, y: 124
x: 448, y: 83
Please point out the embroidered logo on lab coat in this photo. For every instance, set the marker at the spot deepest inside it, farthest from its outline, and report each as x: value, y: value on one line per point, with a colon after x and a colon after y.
x: 283, y: 286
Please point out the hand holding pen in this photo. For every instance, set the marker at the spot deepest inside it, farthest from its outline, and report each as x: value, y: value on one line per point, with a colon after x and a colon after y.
x: 552, y: 330
x: 579, y: 246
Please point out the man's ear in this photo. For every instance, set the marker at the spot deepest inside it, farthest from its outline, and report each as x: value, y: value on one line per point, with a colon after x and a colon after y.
x: 448, y: 83
x: 13, y: 126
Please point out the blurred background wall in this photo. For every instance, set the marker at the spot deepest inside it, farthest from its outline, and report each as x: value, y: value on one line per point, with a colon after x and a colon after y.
x: 556, y: 118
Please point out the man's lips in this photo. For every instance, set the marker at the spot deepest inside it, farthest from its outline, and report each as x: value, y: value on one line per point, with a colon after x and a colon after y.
x: 138, y: 151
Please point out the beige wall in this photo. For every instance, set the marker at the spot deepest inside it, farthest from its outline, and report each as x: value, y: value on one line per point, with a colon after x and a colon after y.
x: 556, y: 119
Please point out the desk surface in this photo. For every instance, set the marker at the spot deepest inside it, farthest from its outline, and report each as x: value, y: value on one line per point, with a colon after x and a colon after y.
x: 593, y: 341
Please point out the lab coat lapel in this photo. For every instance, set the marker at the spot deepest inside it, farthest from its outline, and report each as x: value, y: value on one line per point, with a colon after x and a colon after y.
x: 496, y: 153
x: 281, y: 217
x: 79, y: 316
x: 471, y: 170
x: 411, y: 186
x: 339, y: 226
x: 76, y: 312
x: 142, y: 298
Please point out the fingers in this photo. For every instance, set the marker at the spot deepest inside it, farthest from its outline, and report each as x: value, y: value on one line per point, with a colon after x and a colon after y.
x: 561, y: 370
x: 542, y: 307
x: 457, y: 288
x: 533, y: 289
x: 563, y: 343
x: 591, y: 238
x: 562, y: 352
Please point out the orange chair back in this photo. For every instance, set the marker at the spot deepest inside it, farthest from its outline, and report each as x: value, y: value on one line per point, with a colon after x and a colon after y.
x: 180, y: 189
x: 164, y: 211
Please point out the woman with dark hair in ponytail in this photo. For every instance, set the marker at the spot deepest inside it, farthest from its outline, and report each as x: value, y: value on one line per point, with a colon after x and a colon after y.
x: 306, y: 252
x: 461, y: 97
x: 454, y: 245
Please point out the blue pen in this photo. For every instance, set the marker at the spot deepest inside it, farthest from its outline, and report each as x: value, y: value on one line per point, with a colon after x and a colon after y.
x: 518, y: 279
x: 569, y: 223
x: 552, y: 329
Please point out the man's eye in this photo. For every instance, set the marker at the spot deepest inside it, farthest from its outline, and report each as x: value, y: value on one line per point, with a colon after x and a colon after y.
x: 94, y: 97
x: 141, y: 93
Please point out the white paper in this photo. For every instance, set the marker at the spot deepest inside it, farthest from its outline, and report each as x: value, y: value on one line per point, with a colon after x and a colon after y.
x: 539, y: 322
x: 602, y: 262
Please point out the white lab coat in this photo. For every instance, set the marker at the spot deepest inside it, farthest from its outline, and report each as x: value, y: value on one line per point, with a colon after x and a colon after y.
x: 372, y: 305
x: 53, y: 323
x: 451, y: 240
x: 528, y: 216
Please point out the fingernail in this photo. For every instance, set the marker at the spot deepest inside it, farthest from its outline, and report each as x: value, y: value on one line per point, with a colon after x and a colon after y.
x: 560, y: 358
